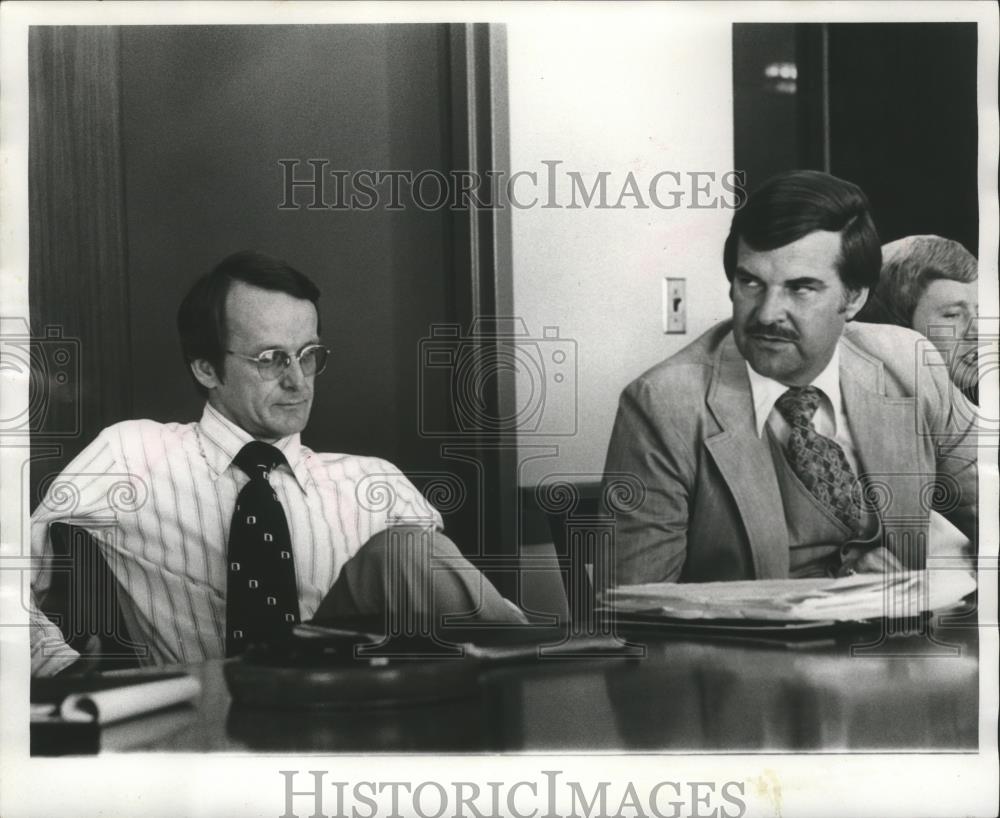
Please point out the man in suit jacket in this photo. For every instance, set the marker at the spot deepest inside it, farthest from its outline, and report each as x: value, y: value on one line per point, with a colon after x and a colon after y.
x: 787, y: 442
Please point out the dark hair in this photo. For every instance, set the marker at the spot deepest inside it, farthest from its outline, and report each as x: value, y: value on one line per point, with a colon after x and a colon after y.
x: 201, y: 319
x: 909, y: 265
x: 794, y: 204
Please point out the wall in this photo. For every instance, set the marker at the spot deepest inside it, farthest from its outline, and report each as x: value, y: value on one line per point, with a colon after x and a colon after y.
x: 207, y: 114
x: 77, y: 259
x: 640, y: 99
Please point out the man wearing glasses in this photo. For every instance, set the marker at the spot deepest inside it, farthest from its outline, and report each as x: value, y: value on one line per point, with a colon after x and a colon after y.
x: 229, y: 528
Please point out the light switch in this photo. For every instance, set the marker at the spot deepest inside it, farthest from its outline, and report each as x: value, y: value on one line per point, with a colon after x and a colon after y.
x: 674, y: 306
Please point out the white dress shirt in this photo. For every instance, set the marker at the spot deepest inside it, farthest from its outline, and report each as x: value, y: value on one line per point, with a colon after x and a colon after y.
x: 830, y: 419
x: 160, y: 499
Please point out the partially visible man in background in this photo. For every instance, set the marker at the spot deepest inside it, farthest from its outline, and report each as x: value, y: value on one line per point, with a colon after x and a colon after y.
x: 931, y: 284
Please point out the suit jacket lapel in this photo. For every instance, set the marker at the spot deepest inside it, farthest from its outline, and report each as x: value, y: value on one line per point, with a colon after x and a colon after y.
x: 884, y: 432
x: 744, y: 459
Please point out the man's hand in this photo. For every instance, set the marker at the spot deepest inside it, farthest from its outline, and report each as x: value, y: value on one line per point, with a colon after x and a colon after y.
x: 89, y: 661
x: 878, y: 560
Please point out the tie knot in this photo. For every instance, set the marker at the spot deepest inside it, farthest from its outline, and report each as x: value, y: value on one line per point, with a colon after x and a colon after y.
x: 257, y: 459
x: 799, y: 404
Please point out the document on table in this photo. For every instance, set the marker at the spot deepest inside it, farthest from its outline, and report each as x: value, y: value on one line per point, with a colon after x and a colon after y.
x: 121, y: 701
x: 862, y: 596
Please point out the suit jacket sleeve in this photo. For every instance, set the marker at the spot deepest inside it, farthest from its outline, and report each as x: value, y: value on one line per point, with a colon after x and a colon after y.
x: 953, y: 425
x: 647, y: 447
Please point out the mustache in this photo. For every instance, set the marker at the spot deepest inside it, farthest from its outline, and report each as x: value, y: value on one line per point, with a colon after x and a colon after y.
x: 773, y: 331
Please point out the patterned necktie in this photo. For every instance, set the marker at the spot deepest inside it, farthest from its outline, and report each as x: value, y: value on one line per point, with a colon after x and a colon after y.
x: 817, y: 461
x: 261, y: 594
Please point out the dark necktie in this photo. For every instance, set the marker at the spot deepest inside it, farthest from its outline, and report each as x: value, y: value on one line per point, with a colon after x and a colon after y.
x: 818, y: 461
x: 261, y: 594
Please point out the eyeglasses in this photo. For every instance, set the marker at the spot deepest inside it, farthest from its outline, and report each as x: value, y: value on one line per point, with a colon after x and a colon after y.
x: 272, y: 363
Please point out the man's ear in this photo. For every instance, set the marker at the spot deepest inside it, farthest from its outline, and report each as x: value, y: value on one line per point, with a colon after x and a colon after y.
x: 205, y: 373
x: 854, y: 300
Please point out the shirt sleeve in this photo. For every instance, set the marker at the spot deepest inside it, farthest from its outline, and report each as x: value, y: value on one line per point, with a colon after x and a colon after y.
x: 82, y: 495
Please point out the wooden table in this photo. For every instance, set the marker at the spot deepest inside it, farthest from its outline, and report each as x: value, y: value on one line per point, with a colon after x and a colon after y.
x: 910, y: 693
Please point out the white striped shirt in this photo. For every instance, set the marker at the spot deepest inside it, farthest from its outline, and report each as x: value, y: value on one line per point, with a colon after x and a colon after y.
x: 160, y: 499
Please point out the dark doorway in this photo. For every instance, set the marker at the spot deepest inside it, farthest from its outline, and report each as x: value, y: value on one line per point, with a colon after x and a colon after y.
x: 889, y: 106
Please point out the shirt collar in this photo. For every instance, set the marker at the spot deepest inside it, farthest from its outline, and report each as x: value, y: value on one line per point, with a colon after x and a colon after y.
x: 222, y: 440
x: 766, y: 391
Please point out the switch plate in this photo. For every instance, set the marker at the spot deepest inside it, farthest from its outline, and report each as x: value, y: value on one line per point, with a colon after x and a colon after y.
x: 674, y: 306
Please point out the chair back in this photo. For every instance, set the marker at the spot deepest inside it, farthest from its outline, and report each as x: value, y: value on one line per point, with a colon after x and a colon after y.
x: 581, y: 536
x: 83, y: 598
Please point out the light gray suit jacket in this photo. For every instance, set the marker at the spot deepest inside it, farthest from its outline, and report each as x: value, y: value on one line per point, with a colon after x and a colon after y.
x: 712, y: 508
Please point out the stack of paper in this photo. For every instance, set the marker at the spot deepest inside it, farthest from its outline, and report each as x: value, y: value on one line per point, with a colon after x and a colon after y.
x: 862, y: 596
